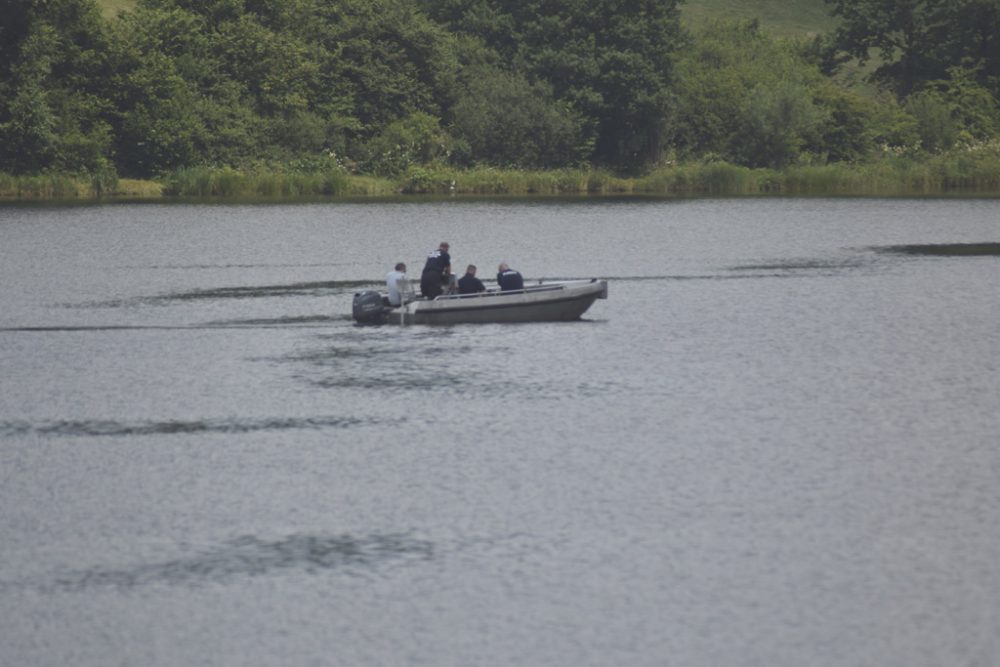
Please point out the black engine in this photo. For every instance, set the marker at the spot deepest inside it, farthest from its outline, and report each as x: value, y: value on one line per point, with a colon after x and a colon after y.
x: 369, y: 308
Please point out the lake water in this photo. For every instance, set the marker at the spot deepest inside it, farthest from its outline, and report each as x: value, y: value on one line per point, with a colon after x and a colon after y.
x: 776, y: 443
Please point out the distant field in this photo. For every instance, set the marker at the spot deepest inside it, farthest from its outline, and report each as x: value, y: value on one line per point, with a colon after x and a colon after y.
x: 112, y: 7
x: 798, y: 18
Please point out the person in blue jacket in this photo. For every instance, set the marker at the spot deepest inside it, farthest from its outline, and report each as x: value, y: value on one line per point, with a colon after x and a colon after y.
x: 508, y: 279
x: 469, y: 283
x: 436, y: 273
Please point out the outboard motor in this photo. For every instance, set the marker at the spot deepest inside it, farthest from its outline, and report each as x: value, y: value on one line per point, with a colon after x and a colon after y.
x: 368, y: 308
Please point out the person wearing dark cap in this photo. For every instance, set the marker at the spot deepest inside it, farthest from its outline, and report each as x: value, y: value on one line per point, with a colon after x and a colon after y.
x: 436, y: 273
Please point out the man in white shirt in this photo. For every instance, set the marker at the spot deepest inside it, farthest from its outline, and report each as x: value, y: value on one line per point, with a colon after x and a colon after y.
x: 392, y: 283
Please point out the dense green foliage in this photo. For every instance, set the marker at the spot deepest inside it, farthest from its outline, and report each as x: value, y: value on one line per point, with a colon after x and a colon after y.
x: 751, y: 100
x: 610, y: 61
x: 919, y: 41
x: 54, y: 111
x: 404, y: 89
x: 941, y: 57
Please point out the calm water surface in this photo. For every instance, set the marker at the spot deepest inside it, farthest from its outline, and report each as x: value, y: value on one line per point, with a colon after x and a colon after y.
x: 776, y: 443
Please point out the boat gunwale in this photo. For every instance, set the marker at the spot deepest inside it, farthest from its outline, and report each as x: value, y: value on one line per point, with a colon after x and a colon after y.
x: 479, y: 307
x: 531, y: 289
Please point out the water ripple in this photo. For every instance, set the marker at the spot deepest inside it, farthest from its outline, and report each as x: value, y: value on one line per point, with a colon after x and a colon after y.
x: 801, y: 265
x: 303, y: 321
x: 383, y: 366
x: 249, y: 556
x: 111, y: 428
x: 187, y: 267
x: 258, y: 291
x: 430, y: 379
x: 276, y: 321
x: 318, y: 288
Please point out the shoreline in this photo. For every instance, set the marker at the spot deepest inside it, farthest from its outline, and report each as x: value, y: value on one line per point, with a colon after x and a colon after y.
x: 937, y: 176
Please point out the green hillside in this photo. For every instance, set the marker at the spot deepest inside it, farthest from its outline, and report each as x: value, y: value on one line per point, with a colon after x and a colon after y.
x: 291, y: 97
x: 801, y: 18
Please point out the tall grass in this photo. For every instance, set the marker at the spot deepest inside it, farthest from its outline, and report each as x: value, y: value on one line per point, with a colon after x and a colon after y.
x: 45, y: 186
x: 137, y: 188
x: 493, y: 181
x: 103, y: 183
x: 231, y: 183
x: 972, y: 170
x: 969, y: 171
x: 714, y: 178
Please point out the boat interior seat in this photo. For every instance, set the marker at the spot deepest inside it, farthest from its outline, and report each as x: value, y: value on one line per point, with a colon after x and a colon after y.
x: 407, y: 290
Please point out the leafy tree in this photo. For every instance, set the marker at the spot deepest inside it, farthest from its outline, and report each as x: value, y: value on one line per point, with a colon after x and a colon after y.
x: 776, y: 124
x: 505, y: 120
x: 973, y: 106
x: 935, y: 125
x: 416, y: 139
x: 902, y: 32
x: 386, y: 57
x: 16, y: 21
x: 745, y: 97
x: 975, y: 41
x: 52, y: 112
x: 238, y: 81
x: 919, y: 40
x: 952, y: 110
x: 176, y: 104
x: 611, y: 60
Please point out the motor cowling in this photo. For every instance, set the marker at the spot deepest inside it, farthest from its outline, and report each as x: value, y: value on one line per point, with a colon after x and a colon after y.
x: 368, y: 308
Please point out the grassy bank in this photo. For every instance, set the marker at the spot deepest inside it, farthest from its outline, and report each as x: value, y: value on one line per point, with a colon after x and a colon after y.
x: 227, y: 182
x: 891, y: 177
x: 970, y: 171
x: 69, y: 186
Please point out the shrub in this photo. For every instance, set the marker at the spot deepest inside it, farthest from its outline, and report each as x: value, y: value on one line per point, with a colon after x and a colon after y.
x: 416, y: 139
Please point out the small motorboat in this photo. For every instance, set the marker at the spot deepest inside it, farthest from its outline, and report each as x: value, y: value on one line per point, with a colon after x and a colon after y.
x: 556, y: 301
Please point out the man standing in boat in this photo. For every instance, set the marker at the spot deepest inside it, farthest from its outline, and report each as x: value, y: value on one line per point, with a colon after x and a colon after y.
x: 508, y: 279
x: 437, y: 272
x: 469, y: 283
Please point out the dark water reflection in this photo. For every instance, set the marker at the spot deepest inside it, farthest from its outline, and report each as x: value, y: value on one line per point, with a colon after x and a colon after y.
x: 314, y: 289
x: 946, y: 249
x: 821, y: 266
x: 249, y: 556
x: 118, y: 429
x: 374, y: 364
x: 773, y: 444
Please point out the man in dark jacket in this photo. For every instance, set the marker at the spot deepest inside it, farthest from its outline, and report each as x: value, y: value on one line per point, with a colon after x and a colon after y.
x: 469, y: 283
x: 436, y: 272
x: 508, y: 279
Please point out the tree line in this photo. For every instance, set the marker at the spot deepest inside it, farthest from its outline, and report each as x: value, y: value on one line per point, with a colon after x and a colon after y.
x: 379, y: 86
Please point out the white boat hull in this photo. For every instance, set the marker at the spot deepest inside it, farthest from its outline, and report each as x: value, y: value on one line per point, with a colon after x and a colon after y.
x: 547, y: 302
